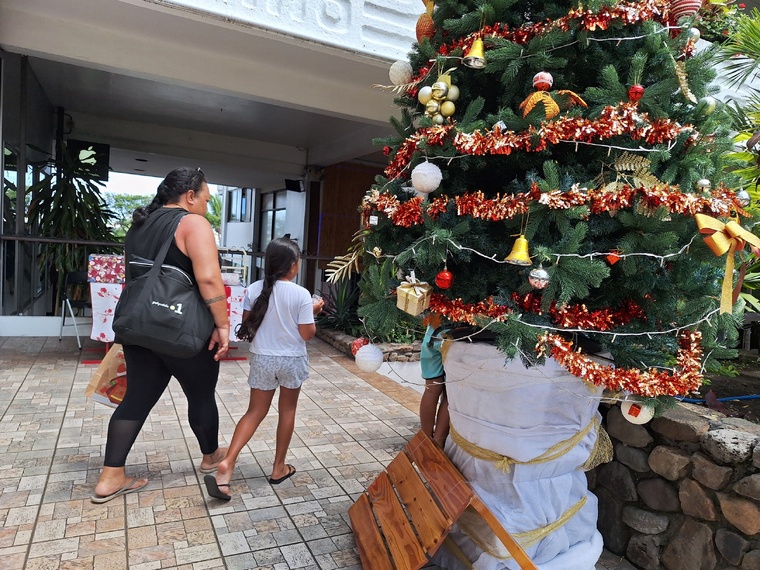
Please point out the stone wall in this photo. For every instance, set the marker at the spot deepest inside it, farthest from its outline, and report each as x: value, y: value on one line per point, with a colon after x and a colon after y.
x: 682, y: 492
x: 392, y: 352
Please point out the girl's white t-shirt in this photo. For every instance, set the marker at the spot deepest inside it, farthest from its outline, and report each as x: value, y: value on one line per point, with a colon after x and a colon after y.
x: 290, y: 305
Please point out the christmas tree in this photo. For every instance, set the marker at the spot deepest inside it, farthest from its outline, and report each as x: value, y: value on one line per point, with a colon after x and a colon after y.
x: 559, y: 179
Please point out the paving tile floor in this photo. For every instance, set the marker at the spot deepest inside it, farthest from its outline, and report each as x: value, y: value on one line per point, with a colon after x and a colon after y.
x: 349, y: 425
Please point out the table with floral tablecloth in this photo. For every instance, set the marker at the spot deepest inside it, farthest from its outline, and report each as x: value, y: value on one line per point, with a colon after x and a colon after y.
x: 106, y: 276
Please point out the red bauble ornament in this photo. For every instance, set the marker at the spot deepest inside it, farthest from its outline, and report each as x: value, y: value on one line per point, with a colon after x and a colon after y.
x: 681, y: 8
x: 543, y: 81
x: 358, y: 343
x: 387, y: 150
x: 444, y: 279
x: 635, y: 92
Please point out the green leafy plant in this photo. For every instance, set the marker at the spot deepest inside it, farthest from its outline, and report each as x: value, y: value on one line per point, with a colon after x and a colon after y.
x: 717, y: 19
x: 67, y: 204
x: 341, y: 302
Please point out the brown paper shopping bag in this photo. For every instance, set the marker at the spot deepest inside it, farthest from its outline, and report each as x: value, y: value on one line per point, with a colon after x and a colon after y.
x: 109, y: 381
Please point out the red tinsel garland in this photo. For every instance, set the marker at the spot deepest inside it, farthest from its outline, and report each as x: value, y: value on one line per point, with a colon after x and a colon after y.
x: 579, y: 19
x: 569, y: 316
x: 622, y: 119
x: 651, y: 383
x: 721, y: 202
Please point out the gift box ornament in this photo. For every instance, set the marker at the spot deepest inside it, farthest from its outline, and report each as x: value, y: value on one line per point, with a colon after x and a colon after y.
x: 413, y: 296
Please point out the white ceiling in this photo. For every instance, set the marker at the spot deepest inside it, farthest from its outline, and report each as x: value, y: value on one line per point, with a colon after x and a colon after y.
x: 166, y: 89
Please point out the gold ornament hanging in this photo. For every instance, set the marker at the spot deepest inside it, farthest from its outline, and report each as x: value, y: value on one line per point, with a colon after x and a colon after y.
x: 683, y: 80
x: 425, y: 25
x: 475, y: 58
x: 543, y: 81
x: 519, y: 254
x: 439, y: 98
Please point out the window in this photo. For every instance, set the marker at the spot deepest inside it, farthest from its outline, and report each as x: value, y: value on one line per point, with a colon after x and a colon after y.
x: 272, y: 220
x: 239, y: 204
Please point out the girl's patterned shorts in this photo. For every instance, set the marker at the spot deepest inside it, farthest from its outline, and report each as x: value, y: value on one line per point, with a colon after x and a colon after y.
x: 268, y: 372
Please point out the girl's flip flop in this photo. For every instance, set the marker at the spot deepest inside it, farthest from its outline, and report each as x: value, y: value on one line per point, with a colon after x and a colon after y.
x: 212, y: 487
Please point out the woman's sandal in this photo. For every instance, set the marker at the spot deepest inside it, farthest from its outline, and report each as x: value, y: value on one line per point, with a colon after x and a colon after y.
x: 213, y: 488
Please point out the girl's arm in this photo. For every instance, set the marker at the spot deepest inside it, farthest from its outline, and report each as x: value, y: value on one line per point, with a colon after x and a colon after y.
x: 307, y: 332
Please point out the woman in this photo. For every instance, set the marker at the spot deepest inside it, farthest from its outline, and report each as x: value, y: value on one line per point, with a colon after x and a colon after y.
x: 183, y: 194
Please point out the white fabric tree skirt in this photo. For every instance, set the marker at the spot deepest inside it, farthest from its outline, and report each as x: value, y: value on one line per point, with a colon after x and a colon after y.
x: 521, y: 413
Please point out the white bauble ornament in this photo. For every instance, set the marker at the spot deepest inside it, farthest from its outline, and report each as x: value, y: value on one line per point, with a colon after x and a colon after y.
x: 369, y: 358
x: 694, y: 34
x: 439, y: 119
x: 636, y: 412
x: 426, y: 177
x: 400, y: 72
x: 425, y: 94
x: 703, y: 185
x: 744, y: 198
x: 453, y: 93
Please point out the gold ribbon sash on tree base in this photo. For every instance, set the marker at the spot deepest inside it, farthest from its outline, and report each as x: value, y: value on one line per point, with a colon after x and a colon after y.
x: 725, y: 238
x: 600, y: 454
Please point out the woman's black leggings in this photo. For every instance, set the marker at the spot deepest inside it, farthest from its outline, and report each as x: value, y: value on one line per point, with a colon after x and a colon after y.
x: 148, y: 375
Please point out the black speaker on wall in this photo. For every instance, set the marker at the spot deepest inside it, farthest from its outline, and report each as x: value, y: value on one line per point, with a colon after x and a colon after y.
x: 294, y: 185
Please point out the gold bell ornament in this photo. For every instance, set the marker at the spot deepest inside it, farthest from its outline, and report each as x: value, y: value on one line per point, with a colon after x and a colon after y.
x: 439, y: 98
x: 519, y: 254
x: 475, y: 58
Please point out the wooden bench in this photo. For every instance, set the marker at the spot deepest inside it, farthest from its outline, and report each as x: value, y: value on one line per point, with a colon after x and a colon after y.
x: 407, y: 512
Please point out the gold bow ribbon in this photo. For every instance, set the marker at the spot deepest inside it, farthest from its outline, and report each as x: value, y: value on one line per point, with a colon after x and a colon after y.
x: 725, y: 238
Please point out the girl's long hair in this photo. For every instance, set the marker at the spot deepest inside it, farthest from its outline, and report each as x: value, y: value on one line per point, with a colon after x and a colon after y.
x: 281, y: 254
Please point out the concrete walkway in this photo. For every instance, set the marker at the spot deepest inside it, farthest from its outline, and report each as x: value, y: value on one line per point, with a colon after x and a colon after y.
x: 349, y: 425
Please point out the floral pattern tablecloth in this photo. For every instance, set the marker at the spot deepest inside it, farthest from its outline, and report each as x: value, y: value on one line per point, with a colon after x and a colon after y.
x: 106, y: 276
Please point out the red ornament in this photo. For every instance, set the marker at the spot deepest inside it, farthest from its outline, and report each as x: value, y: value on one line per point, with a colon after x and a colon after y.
x: 681, y: 8
x: 444, y: 279
x: 358, y: 343
x: 387, y: 150
x: 543, y: 81
x: 635, y: 92
x: 613, y: 258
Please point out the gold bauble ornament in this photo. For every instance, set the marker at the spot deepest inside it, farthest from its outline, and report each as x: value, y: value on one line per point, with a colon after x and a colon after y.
x: 447, y: 108
x: 440, y: 90
x: 432, y: 107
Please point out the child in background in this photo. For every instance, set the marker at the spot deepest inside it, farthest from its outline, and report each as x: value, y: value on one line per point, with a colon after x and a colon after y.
x: 434, y: 407
x: 278, y: 319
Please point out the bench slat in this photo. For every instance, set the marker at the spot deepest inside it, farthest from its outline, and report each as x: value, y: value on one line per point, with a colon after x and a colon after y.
x: 449, y: 486
x: 431, y: 524
x: 402, y: 541
x: 372, y: 549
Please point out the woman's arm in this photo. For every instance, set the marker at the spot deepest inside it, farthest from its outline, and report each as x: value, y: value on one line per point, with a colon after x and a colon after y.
x: 195, y: 238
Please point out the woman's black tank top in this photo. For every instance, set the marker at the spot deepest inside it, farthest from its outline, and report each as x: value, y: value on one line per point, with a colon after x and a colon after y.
x: 146, y: 240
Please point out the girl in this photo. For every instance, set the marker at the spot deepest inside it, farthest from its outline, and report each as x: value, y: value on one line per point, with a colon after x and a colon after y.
x: 278, y: 319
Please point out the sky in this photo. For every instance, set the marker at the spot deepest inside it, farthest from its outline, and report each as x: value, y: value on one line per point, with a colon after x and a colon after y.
x: 120, y: 183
